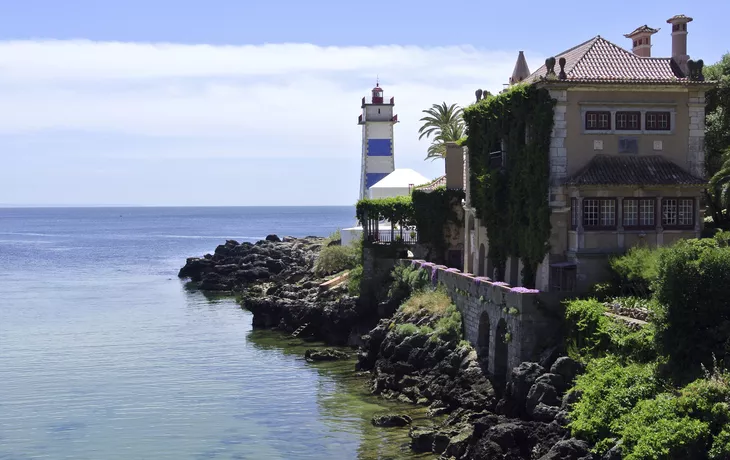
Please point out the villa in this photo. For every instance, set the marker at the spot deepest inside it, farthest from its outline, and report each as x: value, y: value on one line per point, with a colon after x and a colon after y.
x: 626, y: 157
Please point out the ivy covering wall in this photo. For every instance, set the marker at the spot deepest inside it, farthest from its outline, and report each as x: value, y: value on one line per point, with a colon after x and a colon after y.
x: 429, y: 212
x: 511, y: 199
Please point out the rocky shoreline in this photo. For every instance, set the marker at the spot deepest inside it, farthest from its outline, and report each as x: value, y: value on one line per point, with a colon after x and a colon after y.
x: 275, y: 280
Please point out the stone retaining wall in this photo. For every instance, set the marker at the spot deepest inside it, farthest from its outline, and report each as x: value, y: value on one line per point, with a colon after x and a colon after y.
x: 506, y: 325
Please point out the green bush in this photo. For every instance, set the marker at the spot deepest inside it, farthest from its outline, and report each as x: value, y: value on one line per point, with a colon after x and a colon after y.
x: 689, y: 424
x: 406, y: 329
x: 407, y: 279
x: 354, y: 280
x: 334, y: 259
x: 590, y: 334
x: 448, y: 327
x: 610, y: 389
x: 637, y: 270
x: 693, y: 314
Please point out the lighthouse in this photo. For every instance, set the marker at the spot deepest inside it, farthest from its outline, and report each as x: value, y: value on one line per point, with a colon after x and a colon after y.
x: 377, y: 121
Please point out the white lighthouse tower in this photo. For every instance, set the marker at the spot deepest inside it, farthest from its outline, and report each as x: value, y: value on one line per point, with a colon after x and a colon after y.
x: 377, y: 120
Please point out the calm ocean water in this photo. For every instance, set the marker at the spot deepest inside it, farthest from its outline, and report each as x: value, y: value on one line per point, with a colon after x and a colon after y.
x: 105, y: 355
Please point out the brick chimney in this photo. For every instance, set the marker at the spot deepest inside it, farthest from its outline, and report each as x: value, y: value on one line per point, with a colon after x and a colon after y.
x: 679, y: 40
x: 641, y: 37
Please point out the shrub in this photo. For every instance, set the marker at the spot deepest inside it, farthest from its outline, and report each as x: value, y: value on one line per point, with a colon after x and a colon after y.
x: 407, y: 279
x: 590, y: 334
x: 448, y: 327
x: 334, y: 259
x: 406, y: 329
x: 354, y: 280
x: 693, y: 293
x: 609, y: 390
x: 680, y: 425
x: 637, y: 270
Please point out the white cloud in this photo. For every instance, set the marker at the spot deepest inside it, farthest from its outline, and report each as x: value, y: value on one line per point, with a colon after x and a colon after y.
x: 172, y: 101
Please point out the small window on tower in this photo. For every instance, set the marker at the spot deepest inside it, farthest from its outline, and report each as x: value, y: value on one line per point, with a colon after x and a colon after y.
x: 378, y: 110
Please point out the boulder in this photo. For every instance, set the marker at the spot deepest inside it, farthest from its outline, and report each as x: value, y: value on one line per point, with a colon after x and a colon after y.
x: 569, y: 399
x: 391, y: 420
x: 521, y: 380
x: 569, y: 449
x: 544, y: 413
x: 422, y: 439
x: 326, y: 354
x: 566, y: 367
x: 542, y: 393
x: 273, y: 238
x: 556, y: 380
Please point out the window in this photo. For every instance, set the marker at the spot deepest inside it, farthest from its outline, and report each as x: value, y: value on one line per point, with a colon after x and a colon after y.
x: 628, y: 120
x: 628, y: 145
x: 598, y: 120
x: 678, y: 212
x: 658, y: 121
x: 599, y: 213
x: 573, y: 213
x: 638, y: 213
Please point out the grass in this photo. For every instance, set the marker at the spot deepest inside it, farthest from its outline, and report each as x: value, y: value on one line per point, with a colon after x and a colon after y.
x: 432, y: 302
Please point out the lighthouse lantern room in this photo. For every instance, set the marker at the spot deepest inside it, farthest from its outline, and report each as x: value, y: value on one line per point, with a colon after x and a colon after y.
x: 377, y: 121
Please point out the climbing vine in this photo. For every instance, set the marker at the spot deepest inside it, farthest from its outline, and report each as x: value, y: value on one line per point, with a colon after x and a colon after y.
x: 429, y: 211
x: 511, y: 197
x: 398, y: 210
x: 432, y: 211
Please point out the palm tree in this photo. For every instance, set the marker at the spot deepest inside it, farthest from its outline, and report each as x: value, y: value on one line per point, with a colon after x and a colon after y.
x: 445, y: 123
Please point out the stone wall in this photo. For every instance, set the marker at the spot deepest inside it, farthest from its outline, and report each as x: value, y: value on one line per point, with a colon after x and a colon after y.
x: 506, y: 325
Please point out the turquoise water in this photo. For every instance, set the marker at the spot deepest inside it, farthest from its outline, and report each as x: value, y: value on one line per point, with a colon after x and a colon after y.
x: 105, y: 355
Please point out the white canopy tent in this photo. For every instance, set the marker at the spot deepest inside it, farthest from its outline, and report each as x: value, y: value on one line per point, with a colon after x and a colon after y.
x: 398, y: 183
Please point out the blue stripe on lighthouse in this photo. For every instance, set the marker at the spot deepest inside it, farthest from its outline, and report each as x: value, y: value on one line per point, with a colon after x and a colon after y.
x: 379, y: 147
x: 373, y: 178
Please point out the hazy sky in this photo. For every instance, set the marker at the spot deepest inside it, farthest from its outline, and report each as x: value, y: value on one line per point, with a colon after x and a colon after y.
x: 236, y: 102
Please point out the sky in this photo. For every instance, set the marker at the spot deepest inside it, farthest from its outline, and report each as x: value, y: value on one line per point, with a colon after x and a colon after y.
x: 236, y: 102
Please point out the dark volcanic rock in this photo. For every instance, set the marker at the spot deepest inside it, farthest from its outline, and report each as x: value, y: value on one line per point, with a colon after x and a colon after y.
x: 273, y: 238
x: 567, y: 368
x: 391, y: 420
x: 570, y: 449
x: 521, y: 380
x: 327, y: 354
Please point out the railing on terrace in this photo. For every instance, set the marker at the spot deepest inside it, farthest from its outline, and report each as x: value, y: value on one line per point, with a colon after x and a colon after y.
x: 390, y: 235
x: 369, y: 100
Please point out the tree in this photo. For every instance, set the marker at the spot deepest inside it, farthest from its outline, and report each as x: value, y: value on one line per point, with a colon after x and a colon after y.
x: 445, y: 123
x: 717, y: 142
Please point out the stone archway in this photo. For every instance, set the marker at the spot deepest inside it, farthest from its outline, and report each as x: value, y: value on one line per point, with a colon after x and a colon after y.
x: 501, y: 344
x: 482, y: 260
x: 483, y: 339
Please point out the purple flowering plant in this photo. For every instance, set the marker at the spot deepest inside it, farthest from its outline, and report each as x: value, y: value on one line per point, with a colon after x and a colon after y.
x: 524, y: 290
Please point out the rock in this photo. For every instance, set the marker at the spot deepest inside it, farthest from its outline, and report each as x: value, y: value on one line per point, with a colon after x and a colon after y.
x: 327, y: 354
x: 506, y: 435
x: 459, y: 442
x: 542, y: 392
x: 568, y: 368
x: 614, y: 453
x: 544, y: 413
x: 521, y: 380
x: 391, y: 420
x: 273, y: 238
x: 422, y: 439
x: 569, y: 399
x: 562, y: 418
x: 570, y: 449
x: 555, y: 380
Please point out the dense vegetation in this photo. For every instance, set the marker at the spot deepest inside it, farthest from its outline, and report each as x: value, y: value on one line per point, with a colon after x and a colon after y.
x: 660, y: 391
x: 510, y: 198
x: 335, y: 258
x: 717, y: 142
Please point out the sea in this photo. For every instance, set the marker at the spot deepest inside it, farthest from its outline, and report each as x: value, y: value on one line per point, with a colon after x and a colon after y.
x: 106, y: 354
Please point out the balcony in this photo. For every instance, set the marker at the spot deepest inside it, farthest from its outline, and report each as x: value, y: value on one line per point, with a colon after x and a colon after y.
x: 369, y: 100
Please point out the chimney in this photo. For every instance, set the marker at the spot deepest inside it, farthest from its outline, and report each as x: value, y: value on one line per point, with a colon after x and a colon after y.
x: 679, y: 40
x: 641, y: 38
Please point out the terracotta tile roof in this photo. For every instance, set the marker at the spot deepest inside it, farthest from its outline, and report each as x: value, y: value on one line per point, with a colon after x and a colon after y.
x: 436, y: 183
x: 645, y: 28
x: 632, y: 170
x: 599, y: 60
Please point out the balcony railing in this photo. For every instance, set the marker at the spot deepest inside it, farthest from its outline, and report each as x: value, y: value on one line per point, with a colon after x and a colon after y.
x: 369, y: 100
x: 390, y: 235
